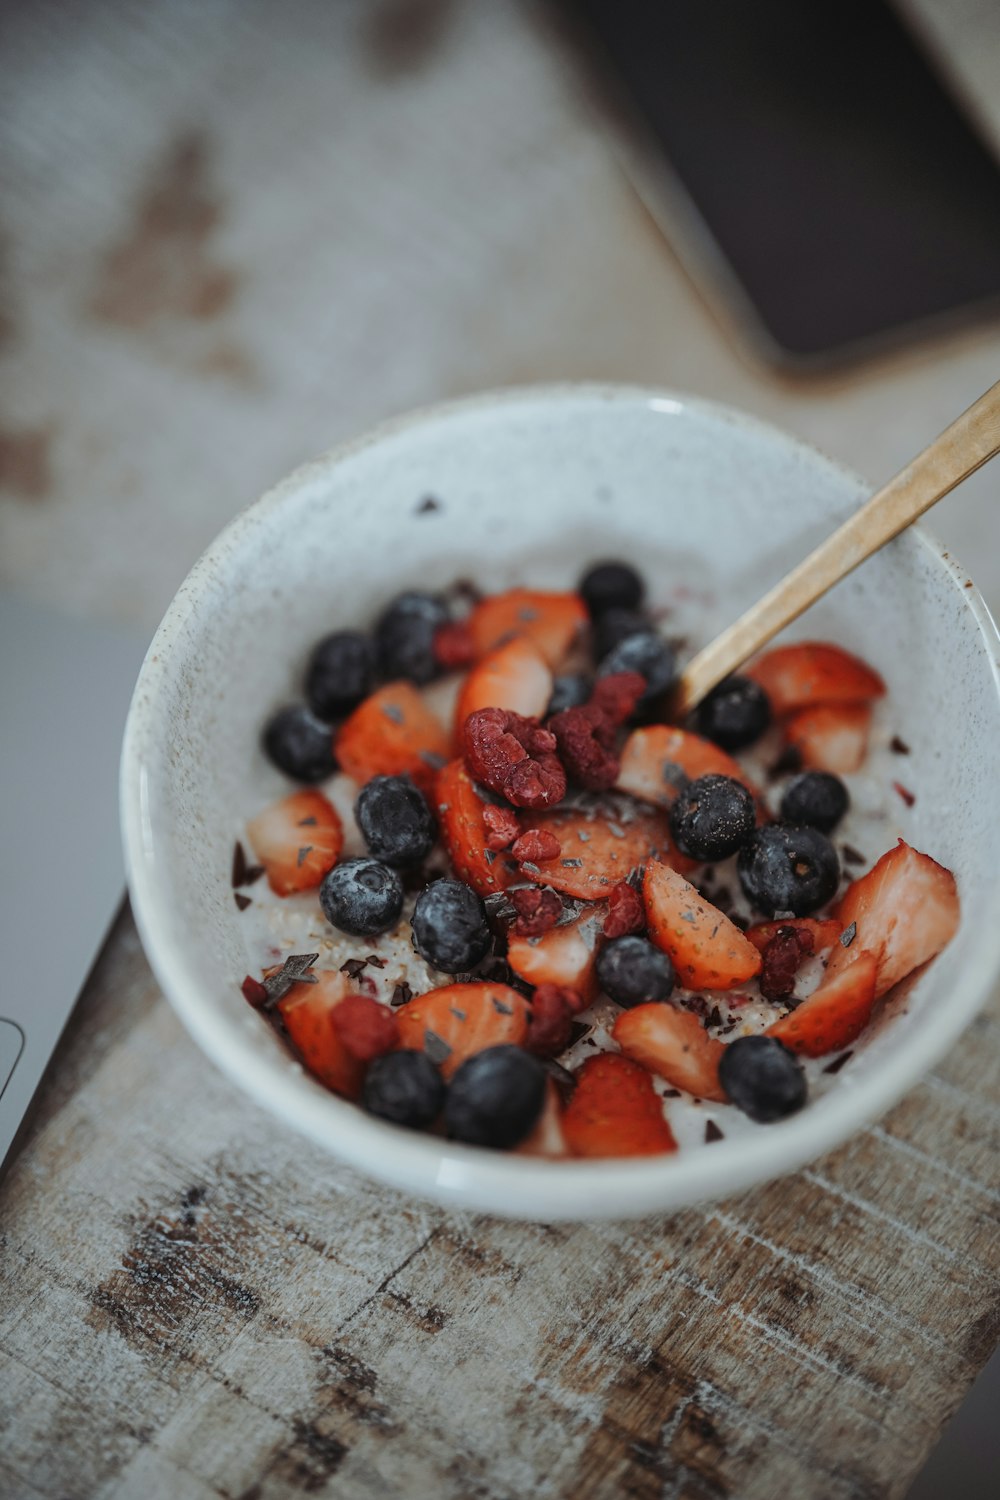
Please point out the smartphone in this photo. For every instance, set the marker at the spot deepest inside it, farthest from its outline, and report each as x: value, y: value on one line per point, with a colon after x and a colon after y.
x: 809, y: 164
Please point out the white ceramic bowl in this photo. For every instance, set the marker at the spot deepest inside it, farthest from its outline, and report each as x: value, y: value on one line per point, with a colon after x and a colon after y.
x: 532, y: 484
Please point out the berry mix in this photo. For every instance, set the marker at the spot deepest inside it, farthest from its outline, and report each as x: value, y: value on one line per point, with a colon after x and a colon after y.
x: 510, y: 903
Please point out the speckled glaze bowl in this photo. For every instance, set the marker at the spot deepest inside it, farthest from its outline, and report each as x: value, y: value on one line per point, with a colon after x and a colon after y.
x: 531, y: 485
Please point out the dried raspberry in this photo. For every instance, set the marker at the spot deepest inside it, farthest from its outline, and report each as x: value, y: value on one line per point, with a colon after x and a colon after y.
x: 617, y: 695
x: 626, y: 913
x: 514, y: 756
x: 503, y: 827
x: 535, y: 846
x: 254, y: 992
x: 452, y: 645
x: 780, y: 961
x: 586, y: 747
x: 537, y: 910
x: 550, y: 1021
x: 366, y: 1028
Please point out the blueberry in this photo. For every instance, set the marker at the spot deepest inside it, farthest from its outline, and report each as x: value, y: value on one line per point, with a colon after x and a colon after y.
x: 712, y: 817
x: 449, y: 926
x: 734, y: 714
x: 611, y: 585
x: 394, y: 819
x: 817, y: 798
x: 568, y: 692
x: 647, y: 653
x: 299, y: 744
x: 362, y: 896
x: 762, y: 1078
x: 404, y: 636
x: 340, y: 673
x: 787, y: 868
x: 495, y: 1097
x: 630, y: 970
x: 615, y: 626
x: 404, y: 1087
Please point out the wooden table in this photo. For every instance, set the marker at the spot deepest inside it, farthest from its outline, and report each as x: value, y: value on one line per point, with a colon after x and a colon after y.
x: 234, y: 234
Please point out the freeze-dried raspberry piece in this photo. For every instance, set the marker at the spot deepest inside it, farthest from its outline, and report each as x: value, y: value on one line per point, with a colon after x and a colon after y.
x: 366, y: 1028
x: 535, y: 845
x: 537, y: 910
x: 586, y: 736
x: 626, y: 913
x: 617, y: 695
x: 452, y: 645
x: 780, y: 961
x: 550, y: 1020
x: 514, y: 756
x: 502, y: 825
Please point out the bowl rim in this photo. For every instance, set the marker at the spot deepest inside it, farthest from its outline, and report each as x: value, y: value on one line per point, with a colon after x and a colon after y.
x: 431, y: 1167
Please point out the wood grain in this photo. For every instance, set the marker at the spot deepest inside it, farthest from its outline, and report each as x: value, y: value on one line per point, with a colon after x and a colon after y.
x: 196, y: 1302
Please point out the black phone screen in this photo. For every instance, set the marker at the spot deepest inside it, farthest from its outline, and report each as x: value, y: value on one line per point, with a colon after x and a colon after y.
x: 844, y: 187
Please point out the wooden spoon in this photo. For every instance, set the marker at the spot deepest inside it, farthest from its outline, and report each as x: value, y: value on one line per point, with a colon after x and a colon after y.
x: 962, y: 448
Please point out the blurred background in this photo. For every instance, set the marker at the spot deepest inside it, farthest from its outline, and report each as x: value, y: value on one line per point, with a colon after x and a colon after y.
x: 235, y: 232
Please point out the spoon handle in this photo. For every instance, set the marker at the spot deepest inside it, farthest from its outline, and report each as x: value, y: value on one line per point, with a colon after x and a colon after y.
x: 970, y: 441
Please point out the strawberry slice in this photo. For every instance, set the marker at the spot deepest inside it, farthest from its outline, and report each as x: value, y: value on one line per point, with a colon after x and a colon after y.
x: 708, y: 951
x: 515, y: 676
x: 547, y: 1137
x: 673, y: 1044
x: 813, y: 672
x: 831, y: 736
x: 615, y: 1111
x: 824, y: 931
x: 596, y: 851
x: 458, y: 1020
x: 297, y: 840
x: 392, y: 733
x: 465, y: 834
x: 905, y: 910
x: 656, y: 762
x: 564, y: 955
x: 552, y: 621
x: 307, y: 1011
x: 834, y: 1014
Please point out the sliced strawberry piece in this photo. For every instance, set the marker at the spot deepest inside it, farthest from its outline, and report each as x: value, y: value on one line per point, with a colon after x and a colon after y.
x: 366, y: 1028
x: 307, y: 1011
x: 467, y: 836
x: 596, y: 850
x: 392, y: 733
x: 708, y: 951
x: 515, y: 676
x: 547, y: 1137
x: 825, y: 931
x: 831, y: 737
x: 834, y: 1014
x: 814, y: 672
x: 615, y: 1111
x: 564, y: 955
x: 458, y: 1020
x: 673, y: 1044
x: 656, y: 762
x: 297, y: 840
x: 904, y: 911
x: 552, y: 621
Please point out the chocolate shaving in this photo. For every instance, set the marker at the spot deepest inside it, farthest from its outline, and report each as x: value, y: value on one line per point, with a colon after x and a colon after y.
x: 577, y: 1031
x: 433, y: 759
x: 848, y: 935
x: 394, y: 714
x: 459, y: 1015
x: 838, y: 1062
x: 898, y: 747
x: 853, y: 856
x: 715, y: 1016
x: 242, y: 901
x: 436, y: 1047
x: 712, y: 1132
x: 401, y: 993
x: 670, y: 1094
x: 353, y: 967
x: 500, y: 1007
x: 292, y: 971
x: 303, y: 852
x: 908, y: 797
x: 244, y: 874
x: 571, y: 864
x: 427, y: 506
x: 375, y: 961
x: 306, y: 823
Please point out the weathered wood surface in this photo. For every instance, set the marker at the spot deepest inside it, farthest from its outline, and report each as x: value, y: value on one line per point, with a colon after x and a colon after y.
x: 194, y: 1302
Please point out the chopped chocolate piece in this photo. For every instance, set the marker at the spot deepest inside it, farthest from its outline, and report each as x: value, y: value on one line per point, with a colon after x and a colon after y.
x: 714, y: 1016
x: 568, y: 864
x: 401, y: 993
x: 427, y: 506
x: 838, y: 1062
x: 375, y: 961
x: 292, y: 971
x: 848, y: 935
x: 898, y: 747
x: 306, y: 823
x: 853, y: 856
x: 501, y: 1008
x: 353, y: 967
x: 712, y: 1132
x: 670, y: 1094
x: 908, y: 797
x: 433, y: 759
x: 577, y: 1032
x: 242, y: 901
x: 306, y: 849
x: 244, y: 874
x: 436, y: 1047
